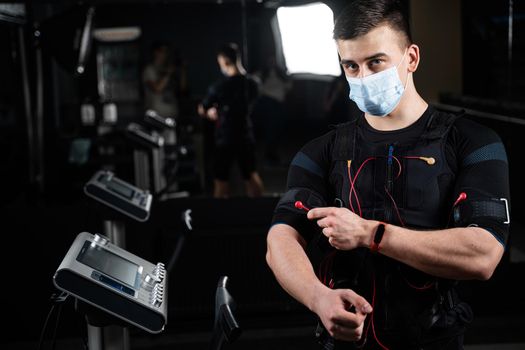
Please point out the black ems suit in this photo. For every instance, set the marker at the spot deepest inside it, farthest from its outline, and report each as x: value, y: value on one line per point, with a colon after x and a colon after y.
x: 410, y: 177
x: 234, y: 138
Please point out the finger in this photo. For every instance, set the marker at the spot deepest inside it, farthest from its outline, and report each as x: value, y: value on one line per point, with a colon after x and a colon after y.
x: 348, y: 319
x: 347, y: 334
x: 361, y: 305
x: 325, y: 222
x: 328, y: 231
x: 334, y: 243
x: 317, y: 213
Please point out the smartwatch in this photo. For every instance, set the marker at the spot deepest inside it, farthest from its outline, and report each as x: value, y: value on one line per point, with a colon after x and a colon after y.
x: 378, y: 236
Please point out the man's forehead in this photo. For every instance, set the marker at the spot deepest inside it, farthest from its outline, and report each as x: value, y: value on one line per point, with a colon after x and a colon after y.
x: 381, y: 39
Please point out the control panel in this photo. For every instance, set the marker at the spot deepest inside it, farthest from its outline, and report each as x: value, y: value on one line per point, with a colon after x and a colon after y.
x: 116, y: 281
x: 106, y: 188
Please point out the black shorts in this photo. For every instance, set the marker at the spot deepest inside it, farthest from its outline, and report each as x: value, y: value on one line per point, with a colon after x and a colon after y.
x: 226, y: 155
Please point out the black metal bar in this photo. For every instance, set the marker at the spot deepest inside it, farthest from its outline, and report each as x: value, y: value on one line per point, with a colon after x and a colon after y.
x: 39, y: 119
x: 27, y: 106
x: 480, y: 114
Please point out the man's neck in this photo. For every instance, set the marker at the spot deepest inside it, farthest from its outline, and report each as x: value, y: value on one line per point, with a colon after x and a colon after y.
x: 408, y: 111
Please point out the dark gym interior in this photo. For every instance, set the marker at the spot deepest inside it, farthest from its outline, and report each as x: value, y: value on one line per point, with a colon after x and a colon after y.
x: 71, y: 88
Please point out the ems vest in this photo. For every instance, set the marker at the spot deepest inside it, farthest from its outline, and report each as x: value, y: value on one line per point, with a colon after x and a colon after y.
x: 405, y: 184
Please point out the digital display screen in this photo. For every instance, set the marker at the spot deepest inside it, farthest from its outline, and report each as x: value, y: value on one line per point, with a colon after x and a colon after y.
x: 108, y: 263
x: 121, y: 189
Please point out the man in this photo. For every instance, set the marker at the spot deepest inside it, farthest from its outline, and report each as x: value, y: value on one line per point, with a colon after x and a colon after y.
x: 228, y: 103
x: 405, y: 201
x: 162, y: 80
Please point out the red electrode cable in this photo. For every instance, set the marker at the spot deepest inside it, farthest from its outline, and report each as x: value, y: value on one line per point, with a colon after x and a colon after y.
x: 372, y: 316
x: 326, y: 264
x: 353, y: 183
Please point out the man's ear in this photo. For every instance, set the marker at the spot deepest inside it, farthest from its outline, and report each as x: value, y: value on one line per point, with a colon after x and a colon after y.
x: 413, y: 57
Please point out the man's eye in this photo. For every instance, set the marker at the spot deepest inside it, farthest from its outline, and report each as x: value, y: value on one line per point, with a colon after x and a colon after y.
x: 375, y: 62
x: 351, y: 66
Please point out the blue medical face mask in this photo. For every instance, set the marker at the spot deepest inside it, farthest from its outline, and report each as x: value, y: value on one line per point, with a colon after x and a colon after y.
x: 377, y: 94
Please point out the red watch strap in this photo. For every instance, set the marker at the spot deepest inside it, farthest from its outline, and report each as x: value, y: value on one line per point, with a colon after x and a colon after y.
x: 378, y: 236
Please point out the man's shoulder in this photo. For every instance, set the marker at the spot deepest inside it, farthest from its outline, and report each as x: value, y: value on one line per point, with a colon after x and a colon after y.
x: 220, y: 84
x: 326, y: 137
x: 463, y: 125
x: 468, y: 136
x: 472, y: 130
x: 320, y: 146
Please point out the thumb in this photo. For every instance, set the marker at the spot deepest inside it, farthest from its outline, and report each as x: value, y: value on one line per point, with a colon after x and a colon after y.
x: 360, y: 303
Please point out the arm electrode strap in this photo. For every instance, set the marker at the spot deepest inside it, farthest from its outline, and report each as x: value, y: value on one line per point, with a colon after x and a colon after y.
x: 490, y: 214
x: 468, y: 211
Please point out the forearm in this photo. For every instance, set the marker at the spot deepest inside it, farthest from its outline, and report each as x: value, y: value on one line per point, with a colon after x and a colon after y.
x: 290, y: 265
x: 457, y: 253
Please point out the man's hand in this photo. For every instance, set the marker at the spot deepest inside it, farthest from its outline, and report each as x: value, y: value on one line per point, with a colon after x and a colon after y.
x: 201, y: 110
x: 344, y: 229
x: 212, y: 114
x: 342, y: 312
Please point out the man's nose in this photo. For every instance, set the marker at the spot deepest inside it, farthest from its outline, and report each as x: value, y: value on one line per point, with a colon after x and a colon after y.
x: 365, y: 72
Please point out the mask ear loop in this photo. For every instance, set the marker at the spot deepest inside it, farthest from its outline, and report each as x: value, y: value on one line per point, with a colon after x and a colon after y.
x: 402, y: 59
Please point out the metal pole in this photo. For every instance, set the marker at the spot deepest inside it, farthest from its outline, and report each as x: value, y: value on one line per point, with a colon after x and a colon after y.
x: 39, y: 118
x: 27, y: 107
x: 95, y: 338
x: 141, y: 168
x: 159, y: 181
x: 244, y: 27
x: 116, y: 338
x: 116, y: 232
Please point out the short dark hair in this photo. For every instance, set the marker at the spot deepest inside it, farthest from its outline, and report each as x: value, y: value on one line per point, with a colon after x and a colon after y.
x: 230, y: 51
x: 361, y: 16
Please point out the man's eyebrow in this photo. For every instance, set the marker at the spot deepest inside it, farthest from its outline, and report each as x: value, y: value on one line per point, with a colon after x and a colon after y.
x: 373, y: 57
